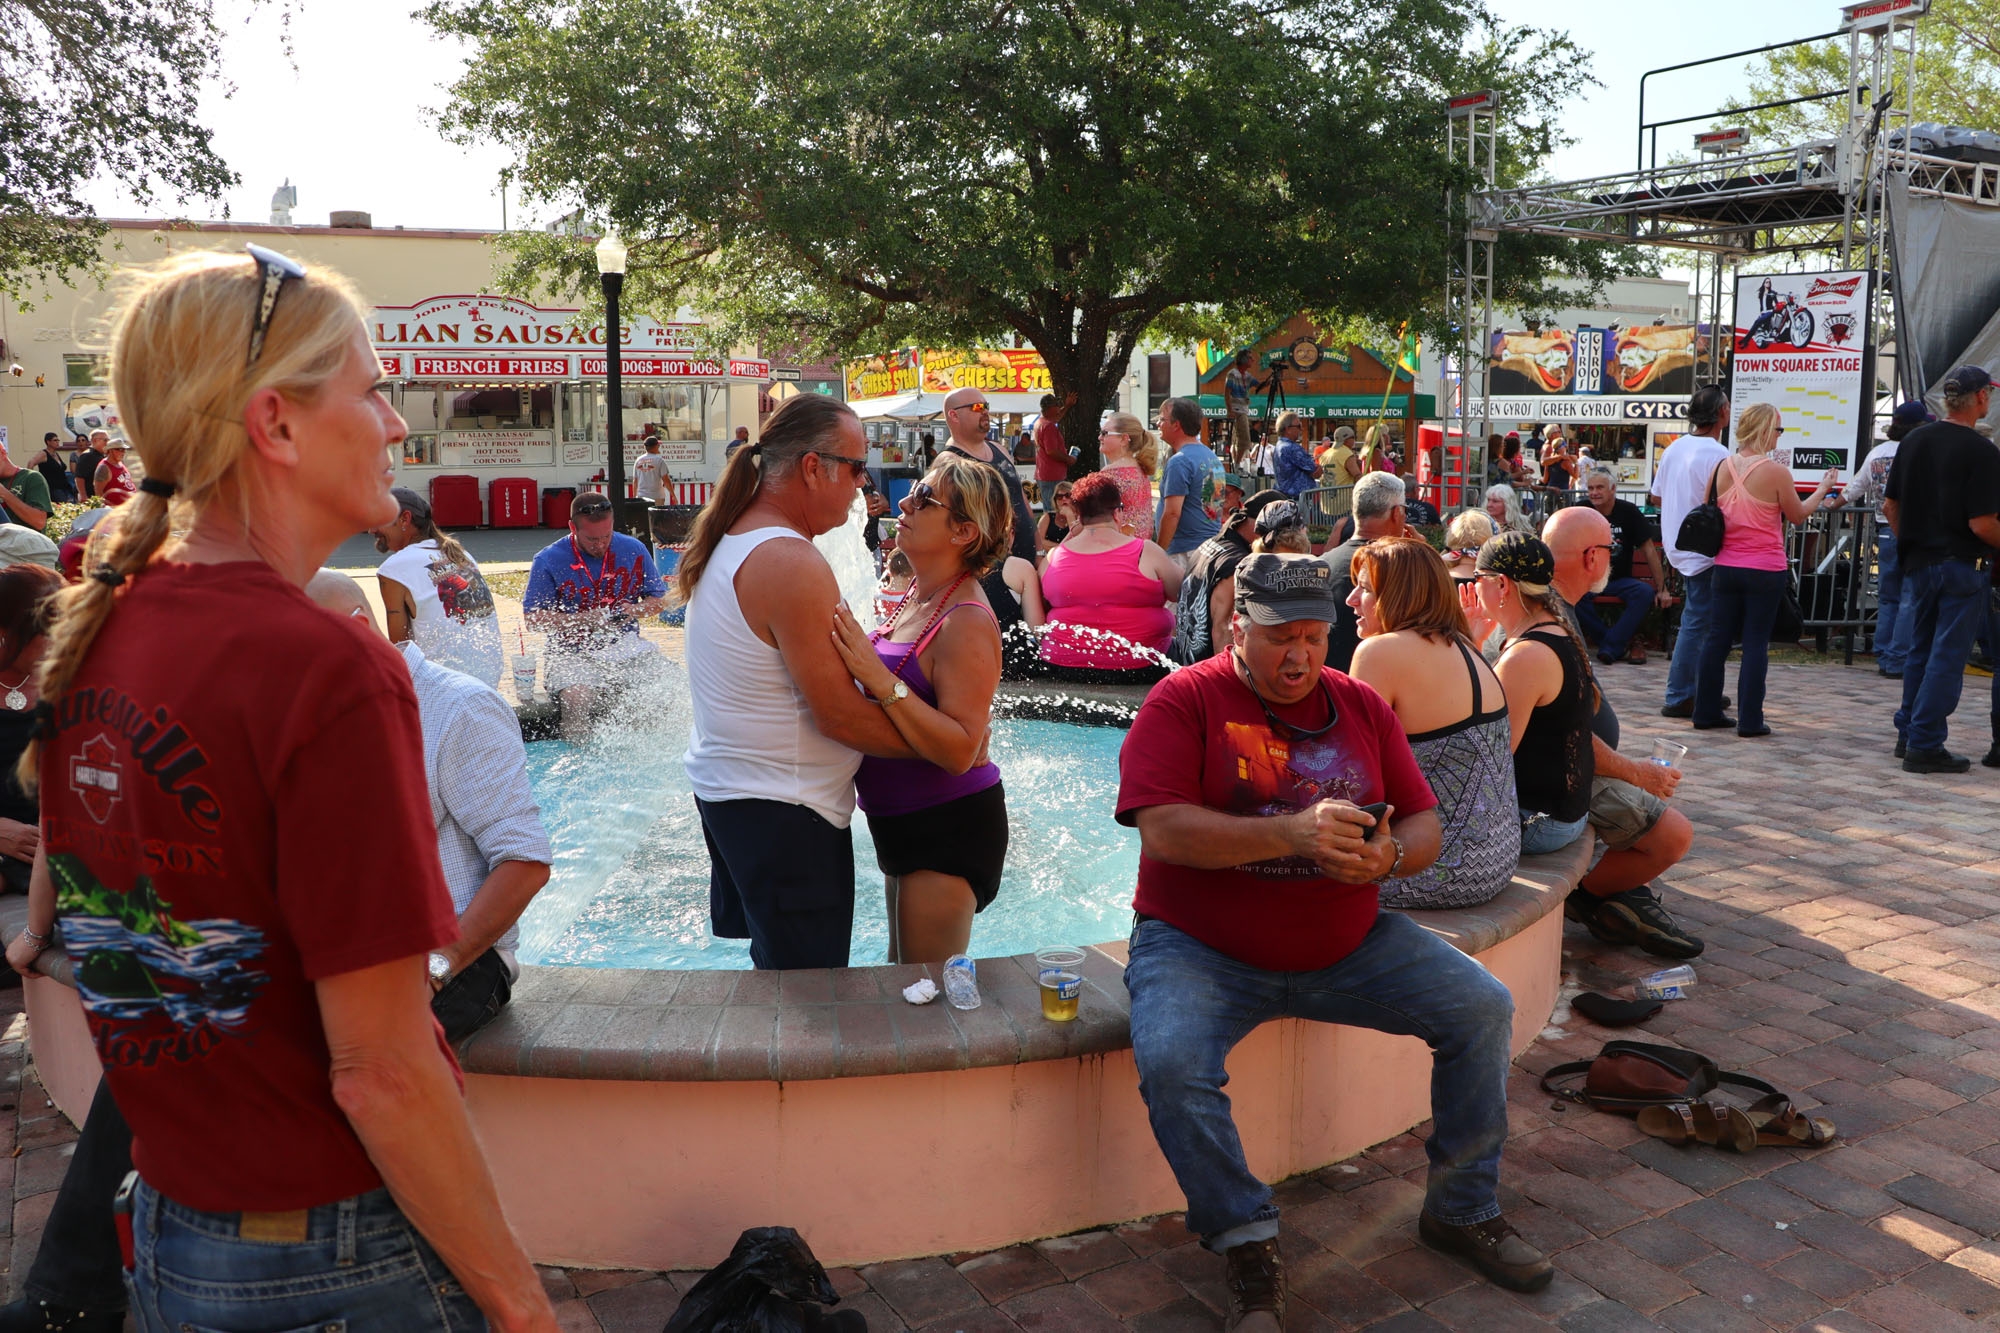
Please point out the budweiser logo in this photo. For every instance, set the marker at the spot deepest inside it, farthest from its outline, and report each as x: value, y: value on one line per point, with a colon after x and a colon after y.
x: 1845, y: 287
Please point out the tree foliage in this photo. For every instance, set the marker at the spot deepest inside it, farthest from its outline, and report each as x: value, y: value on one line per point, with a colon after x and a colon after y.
x: 1958, y: 78
x: 1087, y: 175
x: 90, y: 89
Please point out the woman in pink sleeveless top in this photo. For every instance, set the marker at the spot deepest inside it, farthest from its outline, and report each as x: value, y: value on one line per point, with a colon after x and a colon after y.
x: 939, y: 821
x: 1101, y: 583
x: 1757, y: 497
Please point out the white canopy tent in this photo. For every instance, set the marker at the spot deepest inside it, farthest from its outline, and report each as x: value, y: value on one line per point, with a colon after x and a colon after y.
x: 918, y: 406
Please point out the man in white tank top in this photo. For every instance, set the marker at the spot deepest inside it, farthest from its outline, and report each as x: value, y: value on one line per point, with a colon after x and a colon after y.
x: 779, y: 727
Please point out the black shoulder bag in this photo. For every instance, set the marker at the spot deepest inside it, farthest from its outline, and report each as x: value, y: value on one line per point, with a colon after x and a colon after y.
x: 1701, y: 529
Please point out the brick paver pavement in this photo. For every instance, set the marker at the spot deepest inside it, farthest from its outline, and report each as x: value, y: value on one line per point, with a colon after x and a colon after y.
x: 1852, y: 915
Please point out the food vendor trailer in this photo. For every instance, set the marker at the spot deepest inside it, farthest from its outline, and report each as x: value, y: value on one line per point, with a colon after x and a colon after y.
x: 501, y: 390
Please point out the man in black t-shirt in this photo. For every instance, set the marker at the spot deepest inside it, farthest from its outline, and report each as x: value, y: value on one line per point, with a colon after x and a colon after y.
x: 1208, y: 593
x: 967, y: 415
x: 1378, y: 512
x: 1631, y: 533
x: 1943, y: 500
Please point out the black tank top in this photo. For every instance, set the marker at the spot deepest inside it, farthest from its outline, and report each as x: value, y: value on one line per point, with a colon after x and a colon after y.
x: 1553, y: 765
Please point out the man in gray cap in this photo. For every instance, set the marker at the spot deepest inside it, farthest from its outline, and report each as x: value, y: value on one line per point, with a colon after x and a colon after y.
x: 1264, y: 786
x: 1943, y: 501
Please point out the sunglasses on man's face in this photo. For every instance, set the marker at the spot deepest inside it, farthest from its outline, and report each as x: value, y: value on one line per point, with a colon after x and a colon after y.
x: 860, y: 465
x: 273, y: 268
x: 972, y: 407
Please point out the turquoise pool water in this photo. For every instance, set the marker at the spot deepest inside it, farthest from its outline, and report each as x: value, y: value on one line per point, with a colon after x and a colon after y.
x: 630, y: 880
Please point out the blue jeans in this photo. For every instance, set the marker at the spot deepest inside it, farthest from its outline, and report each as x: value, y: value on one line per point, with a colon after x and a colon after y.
x: 1697, y: 613
x: 1191, y: 1005
x: 1744, y: 606
x: 1637, y: 598
x: 1542, y: 833
x: 362, y: 1267
x: 1890, y: 650
x: 1946, y: 604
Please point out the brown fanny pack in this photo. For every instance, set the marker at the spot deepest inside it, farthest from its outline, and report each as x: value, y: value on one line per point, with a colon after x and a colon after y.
x: 1629, y: 1076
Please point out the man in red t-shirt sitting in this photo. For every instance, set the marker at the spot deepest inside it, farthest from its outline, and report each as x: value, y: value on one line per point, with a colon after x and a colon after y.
x: 1246, y: 775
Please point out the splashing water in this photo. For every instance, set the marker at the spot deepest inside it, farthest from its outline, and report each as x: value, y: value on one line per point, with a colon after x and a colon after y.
x: 1069, y: 876
x: 853, y: 564
x: 621, y: 786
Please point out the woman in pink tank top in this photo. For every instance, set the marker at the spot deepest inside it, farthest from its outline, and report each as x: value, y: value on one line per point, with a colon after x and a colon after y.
x: 1109, y: 596
x: 1756, y: 495
x: 939, y: 821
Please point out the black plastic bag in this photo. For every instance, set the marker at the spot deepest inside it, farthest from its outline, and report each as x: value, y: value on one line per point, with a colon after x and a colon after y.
x: 770, y: 1283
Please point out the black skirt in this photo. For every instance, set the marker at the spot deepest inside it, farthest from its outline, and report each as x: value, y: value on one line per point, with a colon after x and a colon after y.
x: 966, y: 837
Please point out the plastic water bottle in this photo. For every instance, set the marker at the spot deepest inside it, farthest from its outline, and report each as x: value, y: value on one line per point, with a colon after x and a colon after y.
x: 961, y: 983
x: 1672, y: 983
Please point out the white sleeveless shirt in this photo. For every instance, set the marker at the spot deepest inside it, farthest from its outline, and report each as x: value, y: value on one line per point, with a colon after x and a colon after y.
x: 753, y: 736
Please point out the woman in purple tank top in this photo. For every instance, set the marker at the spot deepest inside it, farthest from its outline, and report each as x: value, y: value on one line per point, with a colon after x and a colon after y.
x: 939, y: 821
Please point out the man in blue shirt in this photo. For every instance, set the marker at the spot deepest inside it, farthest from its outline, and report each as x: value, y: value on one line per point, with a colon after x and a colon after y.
x: 586, y: 592
x: 1294, y: 465
x: 1191, y: 487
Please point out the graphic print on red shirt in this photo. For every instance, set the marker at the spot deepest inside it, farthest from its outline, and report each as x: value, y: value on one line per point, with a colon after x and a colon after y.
x: 1201, y: 738
x: 233, y: 808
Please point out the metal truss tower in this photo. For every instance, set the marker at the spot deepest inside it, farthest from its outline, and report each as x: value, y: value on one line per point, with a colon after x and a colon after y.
x: 1472, y: 138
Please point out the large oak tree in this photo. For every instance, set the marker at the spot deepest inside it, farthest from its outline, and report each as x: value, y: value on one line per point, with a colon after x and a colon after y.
x: 1088, y: 175
x: 90, y: 89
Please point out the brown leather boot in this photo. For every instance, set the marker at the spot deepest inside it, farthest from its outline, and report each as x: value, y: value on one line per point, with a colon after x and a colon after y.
x: 1256, y: 1287
x: 1494, y: 1247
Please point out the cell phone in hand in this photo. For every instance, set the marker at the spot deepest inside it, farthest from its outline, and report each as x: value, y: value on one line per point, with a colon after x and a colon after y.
x: 1377, y: 810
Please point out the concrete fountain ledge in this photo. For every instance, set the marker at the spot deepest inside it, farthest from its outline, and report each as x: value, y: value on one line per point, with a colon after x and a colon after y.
x: 641, y: 1119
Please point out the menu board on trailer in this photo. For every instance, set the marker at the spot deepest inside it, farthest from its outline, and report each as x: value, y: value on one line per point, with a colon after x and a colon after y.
x: 496, y: 448
x: 1799, y: 347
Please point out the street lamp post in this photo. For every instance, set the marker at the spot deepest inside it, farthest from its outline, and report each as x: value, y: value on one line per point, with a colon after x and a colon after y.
x: 611, y: 272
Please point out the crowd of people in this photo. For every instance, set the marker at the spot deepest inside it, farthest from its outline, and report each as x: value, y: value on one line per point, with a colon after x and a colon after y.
x: 1382, y: 726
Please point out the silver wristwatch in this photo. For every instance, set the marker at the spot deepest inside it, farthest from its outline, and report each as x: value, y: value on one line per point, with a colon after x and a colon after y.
x: 440, y: 966
x: 1396, y: 864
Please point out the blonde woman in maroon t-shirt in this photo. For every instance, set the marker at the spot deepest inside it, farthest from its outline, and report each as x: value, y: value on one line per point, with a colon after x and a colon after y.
x: 254, y: 971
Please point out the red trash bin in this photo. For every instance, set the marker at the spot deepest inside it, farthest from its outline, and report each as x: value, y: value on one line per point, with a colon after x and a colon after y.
x: 512, y: 502
x: 556, y: 501
x: 455, y: 501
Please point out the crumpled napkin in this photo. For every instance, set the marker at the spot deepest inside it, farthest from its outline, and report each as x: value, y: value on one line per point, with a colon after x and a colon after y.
x: 921, y: 991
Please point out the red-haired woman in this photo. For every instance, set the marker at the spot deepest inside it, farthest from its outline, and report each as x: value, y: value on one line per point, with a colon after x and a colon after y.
x: 1108, y: 594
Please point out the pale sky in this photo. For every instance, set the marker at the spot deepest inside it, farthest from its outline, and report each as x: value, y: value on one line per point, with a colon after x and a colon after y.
x: 348, y: 124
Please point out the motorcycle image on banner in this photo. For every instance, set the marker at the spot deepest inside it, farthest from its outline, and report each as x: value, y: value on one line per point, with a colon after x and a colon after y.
x: 1799, y: 346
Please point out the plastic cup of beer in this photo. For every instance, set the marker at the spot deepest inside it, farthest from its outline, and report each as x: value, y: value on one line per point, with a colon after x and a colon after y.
x: 1668, y: 754
x: 1059, y: 968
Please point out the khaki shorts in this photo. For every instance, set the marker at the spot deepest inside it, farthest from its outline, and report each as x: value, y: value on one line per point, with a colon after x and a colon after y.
x: 1239, y: 432
x: 1621, y: 813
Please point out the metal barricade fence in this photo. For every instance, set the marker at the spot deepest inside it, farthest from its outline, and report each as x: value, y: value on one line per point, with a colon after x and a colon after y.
x: 1323, y: 506
x: 1833, y: 564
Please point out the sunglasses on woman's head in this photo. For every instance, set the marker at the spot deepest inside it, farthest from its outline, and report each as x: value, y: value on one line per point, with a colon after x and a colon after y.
x: 273, y: 268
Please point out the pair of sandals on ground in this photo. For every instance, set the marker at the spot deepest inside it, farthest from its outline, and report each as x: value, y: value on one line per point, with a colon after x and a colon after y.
x: 1668, y: 1091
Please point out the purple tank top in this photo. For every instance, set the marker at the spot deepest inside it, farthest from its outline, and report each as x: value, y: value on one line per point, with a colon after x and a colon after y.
x: 904, y: 786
